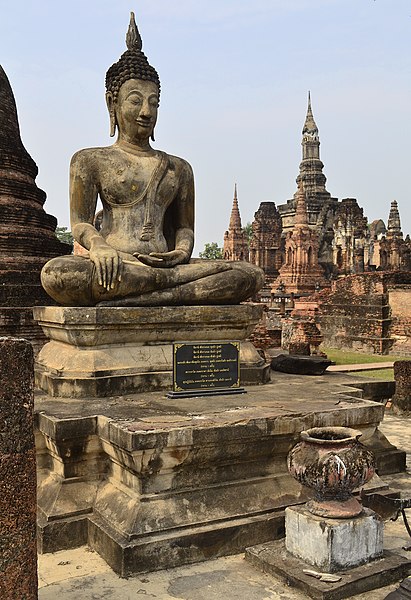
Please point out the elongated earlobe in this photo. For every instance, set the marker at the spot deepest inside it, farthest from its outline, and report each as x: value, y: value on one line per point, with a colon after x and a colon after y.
x: 113, y: 124
x: 152, y: 136
x: 112, y: 113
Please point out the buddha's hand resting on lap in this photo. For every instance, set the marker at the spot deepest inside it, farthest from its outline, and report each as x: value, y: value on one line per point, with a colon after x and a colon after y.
x: 107, y: 262
x: 164, y: 259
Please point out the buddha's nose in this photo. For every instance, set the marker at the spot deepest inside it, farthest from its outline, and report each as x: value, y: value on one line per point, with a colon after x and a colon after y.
x: 145, y: 111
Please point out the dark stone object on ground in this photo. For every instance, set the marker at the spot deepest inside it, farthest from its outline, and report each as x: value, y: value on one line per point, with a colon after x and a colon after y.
x: 18, y: 550
x: 300, y: 365
x: 403, y: 592
x: 401, y: 401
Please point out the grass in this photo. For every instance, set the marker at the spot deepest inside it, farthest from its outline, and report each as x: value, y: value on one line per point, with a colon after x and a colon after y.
x: 383, y: 374
x: 342, y: 357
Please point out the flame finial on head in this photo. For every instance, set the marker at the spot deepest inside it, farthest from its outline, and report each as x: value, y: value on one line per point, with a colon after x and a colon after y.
x: 133, y: 63
x: 133, y: 37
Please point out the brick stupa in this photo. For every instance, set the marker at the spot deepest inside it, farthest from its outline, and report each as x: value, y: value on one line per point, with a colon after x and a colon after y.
x: 27, y: 232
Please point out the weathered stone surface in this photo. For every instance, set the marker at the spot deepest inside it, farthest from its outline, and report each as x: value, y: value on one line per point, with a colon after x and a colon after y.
x: 272, y: 558
x: 16, y: 396
x: 401, y: 401
x: 301, y: 365
x: 18, y: 554
x: 333, y: 545
x: 179, y: 480
x: 299, y: 348
x: 106, y: 351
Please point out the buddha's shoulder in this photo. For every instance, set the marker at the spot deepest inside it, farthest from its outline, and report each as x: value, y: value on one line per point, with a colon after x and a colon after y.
x: 90, y: 154
x: 179, y: 164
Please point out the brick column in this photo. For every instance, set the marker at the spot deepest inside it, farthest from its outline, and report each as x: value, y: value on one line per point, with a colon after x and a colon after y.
x: 401, y: 402
x: 18, y: 551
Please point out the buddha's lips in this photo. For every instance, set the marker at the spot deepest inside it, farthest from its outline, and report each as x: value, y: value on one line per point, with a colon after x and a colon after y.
x: 144, y: 123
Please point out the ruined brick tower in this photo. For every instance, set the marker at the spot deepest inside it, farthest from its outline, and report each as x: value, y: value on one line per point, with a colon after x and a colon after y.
x: 265, y: 244
x: 392, y: 252
x: 321, y: 206
x: 301, y: 273
x: 235, y: 239
x: 351, y: 238
x: 27, y: 238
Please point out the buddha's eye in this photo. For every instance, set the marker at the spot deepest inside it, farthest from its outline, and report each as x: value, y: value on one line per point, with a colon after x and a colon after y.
x: 135, y: 100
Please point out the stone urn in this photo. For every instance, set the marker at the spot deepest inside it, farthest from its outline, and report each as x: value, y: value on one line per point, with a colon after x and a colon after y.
x: 332, y: 462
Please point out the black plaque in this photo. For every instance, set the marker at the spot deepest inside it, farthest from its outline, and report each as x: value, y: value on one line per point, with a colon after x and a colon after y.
x: 206, y: 368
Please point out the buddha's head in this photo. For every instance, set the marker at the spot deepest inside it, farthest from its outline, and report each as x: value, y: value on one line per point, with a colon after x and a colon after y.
x: 133, y: 91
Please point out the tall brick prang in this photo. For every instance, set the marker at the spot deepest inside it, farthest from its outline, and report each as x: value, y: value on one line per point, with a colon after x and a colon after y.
x: 18, y: 550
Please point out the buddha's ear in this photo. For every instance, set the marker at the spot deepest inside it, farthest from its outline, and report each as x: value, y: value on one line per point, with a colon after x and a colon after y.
x: 110, y: 105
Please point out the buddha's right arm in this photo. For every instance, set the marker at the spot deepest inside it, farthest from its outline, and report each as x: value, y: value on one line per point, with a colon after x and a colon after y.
x: 83, y: 197
x: 83, y: 201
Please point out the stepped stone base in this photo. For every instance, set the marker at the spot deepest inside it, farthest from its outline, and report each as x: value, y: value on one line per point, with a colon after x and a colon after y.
x: 152, y: 482
x: 105, y: 351
x: 273, y: 558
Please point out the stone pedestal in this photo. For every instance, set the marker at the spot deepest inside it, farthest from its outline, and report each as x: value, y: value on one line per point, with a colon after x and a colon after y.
x: 152, y: 482
x: 333, y: 545
x: 18, y: 551
x: 273, y: 559
x: 105, y: 351
x: 401, y: 401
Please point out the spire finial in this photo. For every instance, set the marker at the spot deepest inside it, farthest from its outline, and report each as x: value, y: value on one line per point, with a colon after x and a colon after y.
x: 310, y: 126
x: 235, y: 218
x: 133, y: 37
x: 309, y: 109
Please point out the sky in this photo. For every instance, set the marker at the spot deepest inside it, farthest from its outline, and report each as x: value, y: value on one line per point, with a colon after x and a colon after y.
x: 235, y: 76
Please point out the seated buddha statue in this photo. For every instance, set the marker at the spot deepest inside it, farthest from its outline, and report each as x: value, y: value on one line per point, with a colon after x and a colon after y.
x: 141, y: 253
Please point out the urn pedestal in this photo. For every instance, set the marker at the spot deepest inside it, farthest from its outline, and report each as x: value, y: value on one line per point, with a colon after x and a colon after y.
x: 332, y: 531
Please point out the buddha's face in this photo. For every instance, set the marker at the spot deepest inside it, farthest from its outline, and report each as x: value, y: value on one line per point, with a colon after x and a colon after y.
x: 136, y: 110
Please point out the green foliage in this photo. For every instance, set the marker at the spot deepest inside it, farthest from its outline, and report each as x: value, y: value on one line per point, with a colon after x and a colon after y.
x: 211, y: 251
x: 248, y: 230
x: 64, y: 235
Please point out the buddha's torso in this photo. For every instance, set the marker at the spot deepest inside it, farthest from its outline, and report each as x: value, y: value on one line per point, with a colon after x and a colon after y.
x: 135, y: 191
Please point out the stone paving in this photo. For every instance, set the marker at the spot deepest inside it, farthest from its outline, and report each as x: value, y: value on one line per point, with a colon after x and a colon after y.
x: 82, y: 575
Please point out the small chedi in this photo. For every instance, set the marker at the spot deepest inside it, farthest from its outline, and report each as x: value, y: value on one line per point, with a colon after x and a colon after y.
x: 142, y: 254
x: 138, y: 256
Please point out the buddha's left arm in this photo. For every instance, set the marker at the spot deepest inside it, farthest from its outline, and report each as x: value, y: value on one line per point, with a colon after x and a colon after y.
x: 183, y: 214
x: 182, y: 218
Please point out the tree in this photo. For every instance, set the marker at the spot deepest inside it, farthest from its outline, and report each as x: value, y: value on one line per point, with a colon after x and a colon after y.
x: 211, y: 251
x: 64, y: 235
x: 248, y: 230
